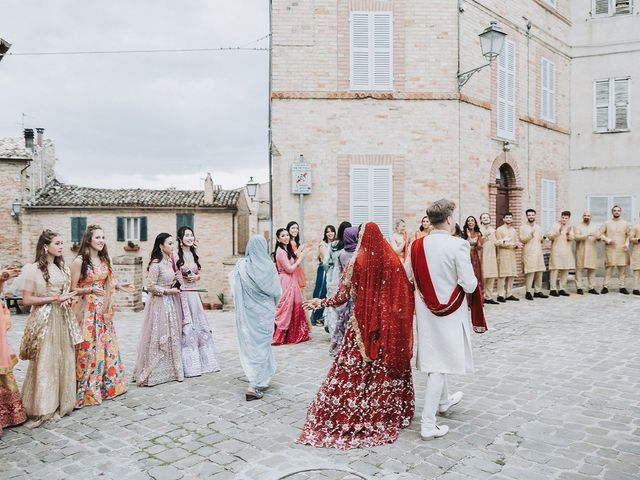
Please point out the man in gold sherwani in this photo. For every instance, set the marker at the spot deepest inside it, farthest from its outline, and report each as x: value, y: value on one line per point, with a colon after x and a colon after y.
x: 634, y: 239
x: 507, y: 242
x: 615, y: 233
x: 489, y: 258
x: 532, y: 258
x: 561, y: 259
x: 587, y: 238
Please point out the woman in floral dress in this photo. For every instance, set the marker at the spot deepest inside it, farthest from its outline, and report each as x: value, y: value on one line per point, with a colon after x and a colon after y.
x: 159, y: 351
x: 291, y: 321
x: 49, y: 339
x: 11, y: 409
x: 367, y: 396
x: 198, y: 353
x: 99, y: 369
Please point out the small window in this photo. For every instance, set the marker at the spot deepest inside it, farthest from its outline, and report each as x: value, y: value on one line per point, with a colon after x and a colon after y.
x: 547, y: 204
x: 371, y: 51
x: 609, y: 8
x: 184, y: 220
x: 132, y: 229
x: 371, y: 196
x: 78, y: 227
x: 548, y: 90
x: 611, y: 104
x: 600, y: 207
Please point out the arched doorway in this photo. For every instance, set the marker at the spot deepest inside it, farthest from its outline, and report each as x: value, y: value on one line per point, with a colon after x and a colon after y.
x: 505, y: 180
x: 505, y: 189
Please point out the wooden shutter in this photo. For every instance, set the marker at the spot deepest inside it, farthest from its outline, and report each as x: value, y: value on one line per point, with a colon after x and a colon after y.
x: 506, y: 89
x: 621, y: 102
x: 382, y: 51
x: 601, y: 7
x: 360, y: 50
x: 184, y: 220
x: 622, y: 7
x: 78, y: 227
x: 120, y: 229
x: 598, y: 205
x: 548, y: 97
x: 359, y: 194
x: 548, y: 204
x: 371, y: 50
x: 382, y: 198
x: 601, y: 105
x: 143, y: 229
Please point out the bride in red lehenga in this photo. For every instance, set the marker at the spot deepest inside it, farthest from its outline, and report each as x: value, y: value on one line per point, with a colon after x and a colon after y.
x: 367, y: 396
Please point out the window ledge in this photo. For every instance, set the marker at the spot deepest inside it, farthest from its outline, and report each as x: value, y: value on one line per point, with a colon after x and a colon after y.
x: 626, y: 130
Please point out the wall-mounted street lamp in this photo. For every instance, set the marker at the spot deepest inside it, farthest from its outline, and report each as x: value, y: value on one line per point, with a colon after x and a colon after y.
x: 4, y: 48
x: 252, y: 191
x: 491, y: 43
x: 16, y: 210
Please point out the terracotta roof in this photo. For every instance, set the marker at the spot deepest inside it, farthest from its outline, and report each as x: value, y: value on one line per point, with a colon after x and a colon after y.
x: 13, y: 148
x: 57, y: 194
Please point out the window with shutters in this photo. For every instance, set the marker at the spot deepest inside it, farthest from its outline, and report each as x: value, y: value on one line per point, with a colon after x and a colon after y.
x: 132, y: 229
x: 548, y: 204
x: 78, y: 227
x: 184, y: 220
x: 548, y: 90
x: 371, y: 196
x: 506, y: 88
x: 371, y: 51
x: 609, y: 8
x: 611, y: 99
x: 600, y: 207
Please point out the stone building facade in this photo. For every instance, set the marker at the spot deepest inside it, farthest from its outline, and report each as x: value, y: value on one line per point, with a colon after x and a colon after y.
x: 367, y: 90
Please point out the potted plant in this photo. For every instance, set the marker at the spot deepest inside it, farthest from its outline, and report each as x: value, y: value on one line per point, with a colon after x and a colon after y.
x: 219, y: 306
x: 75, y: 247
x: 131, y: 246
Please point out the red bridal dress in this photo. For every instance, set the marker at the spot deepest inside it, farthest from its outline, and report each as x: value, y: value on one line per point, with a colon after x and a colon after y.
x: 291, y: 321
x: 367, y: 396
x: 11, y: 409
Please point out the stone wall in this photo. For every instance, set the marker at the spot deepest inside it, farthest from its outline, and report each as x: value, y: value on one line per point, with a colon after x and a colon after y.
x: 128, y: 269
x: 10, y: 227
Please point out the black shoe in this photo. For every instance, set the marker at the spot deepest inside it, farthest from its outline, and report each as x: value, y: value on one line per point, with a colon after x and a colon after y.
x: 624, y: 291
x: 580, y: 291
x: 501, y: 299
x: 563, y: 293
x: 636, y: 292
x: 540, y: 295
x: 604, y: 290
x: 554, y: 293
x: 528, y: 296
x: 513, y: 299
x: 490, y: 301
x: 250, y: 396
x: 593, y: 291
x: 326, y: 328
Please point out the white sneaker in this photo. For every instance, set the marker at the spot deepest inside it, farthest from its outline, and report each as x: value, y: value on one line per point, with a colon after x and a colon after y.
x: 453, y: 400
x: 436, y: 432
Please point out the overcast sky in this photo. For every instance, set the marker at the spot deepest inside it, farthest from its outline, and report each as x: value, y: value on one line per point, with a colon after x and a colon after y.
x: 140, y: 120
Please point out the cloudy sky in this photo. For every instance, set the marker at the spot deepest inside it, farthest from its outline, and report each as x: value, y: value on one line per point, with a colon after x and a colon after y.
x: 140, y: 120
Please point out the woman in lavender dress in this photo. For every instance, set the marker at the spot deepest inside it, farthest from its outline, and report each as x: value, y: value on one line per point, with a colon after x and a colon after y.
x: 198, y: 354
x: 159, y: 353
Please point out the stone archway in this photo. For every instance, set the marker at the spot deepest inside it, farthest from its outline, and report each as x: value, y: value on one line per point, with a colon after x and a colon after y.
x: 505, y: 189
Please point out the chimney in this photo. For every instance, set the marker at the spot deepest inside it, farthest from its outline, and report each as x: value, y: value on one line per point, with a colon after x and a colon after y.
x: 28, y: 138
x: 208, y: 190
x: 39, y: 136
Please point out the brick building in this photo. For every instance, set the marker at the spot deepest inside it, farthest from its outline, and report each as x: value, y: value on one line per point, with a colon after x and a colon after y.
x: 368, y: 91
x: 131, y: 218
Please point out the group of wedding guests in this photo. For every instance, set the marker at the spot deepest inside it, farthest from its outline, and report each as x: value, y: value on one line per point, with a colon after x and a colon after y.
x: 70, y: 340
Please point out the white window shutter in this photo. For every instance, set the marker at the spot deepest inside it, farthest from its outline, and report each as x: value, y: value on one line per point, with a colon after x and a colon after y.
x: 622, y: 7
x: 360, y: 191
x: 548, y: 204
x: 551, y: 92
x: 382, y: 198
x: 621, y: 101
x: 383, y: 51
x: 506, y: 103
x: 601, y: 105
x: 360, y: 51
x: 601, y: 7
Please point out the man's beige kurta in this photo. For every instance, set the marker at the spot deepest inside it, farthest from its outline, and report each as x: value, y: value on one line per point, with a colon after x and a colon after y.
x: 617, y: 230
x: 532, y: 258
x: 489, y: 256
x: 506, y: 237
x: 561, y: 254
x: 586, y: 236
x: 634, y: 237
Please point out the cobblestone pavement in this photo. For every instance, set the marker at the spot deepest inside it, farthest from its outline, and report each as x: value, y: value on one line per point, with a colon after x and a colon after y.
x: 555, y: 396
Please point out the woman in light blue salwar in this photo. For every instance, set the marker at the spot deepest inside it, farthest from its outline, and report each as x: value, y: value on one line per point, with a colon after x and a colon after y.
x: 256, y: 290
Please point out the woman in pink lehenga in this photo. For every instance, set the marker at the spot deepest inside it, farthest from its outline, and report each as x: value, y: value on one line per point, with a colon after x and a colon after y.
x: 291, y: 320
x: 159, y: 351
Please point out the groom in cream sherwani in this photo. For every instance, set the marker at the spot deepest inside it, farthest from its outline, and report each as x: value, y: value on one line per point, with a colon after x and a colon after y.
x: 443, y: 323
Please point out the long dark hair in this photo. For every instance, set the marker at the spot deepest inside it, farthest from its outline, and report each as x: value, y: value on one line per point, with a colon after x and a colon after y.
x: 46, y: 237
x: 465, y: 229
x: 180, y: 262
x: 85, y: 251
x: 328, y: 228
x: 422, y: 226
x: 297, y: 237
x: 287, y: 248
x: 156, y: 252
x: 339, y: 245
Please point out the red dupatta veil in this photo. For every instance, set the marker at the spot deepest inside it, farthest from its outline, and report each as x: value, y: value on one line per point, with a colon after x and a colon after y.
x: 383, y: 302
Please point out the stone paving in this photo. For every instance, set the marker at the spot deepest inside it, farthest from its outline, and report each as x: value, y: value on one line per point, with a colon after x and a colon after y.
x: 555, y: 396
